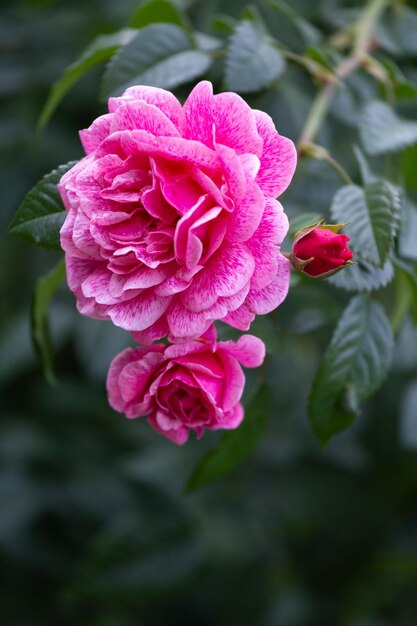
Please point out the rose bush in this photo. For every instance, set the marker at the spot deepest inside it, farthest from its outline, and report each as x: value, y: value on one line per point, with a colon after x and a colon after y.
x: 193, y: 385
x: 172, y: 219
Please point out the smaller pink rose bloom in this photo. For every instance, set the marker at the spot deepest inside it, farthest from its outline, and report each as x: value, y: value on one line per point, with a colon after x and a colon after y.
x: 181, y: 387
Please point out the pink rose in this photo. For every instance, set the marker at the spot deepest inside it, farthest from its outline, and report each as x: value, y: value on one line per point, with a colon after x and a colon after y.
x: 172, y: 219
x: 186, y: 386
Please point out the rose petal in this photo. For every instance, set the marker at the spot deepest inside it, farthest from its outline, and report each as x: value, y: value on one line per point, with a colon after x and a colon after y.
x: 92, y: 136
x: 139, y: 313
x: 226, y: 273
x: 137, y: 114
x: 248, y: 350
x: 278, y: 160
x: 262, y: 301
x: 163, y: 100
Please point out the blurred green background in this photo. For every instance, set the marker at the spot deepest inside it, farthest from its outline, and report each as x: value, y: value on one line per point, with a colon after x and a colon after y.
x: 95, y: 526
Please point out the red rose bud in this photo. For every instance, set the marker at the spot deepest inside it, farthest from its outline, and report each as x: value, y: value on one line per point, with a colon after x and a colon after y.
x: 320, y: 250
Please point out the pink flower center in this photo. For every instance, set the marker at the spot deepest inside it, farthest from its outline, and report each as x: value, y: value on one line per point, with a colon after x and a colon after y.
x: 183, y: 403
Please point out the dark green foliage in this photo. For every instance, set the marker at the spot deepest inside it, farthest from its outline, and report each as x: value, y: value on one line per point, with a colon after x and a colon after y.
x: 42, y: 213
x: 372, y: 214
x: 99, y: 51
x: 42, y: 296
x: 355, y: 364
x: 235, y: 446
x: 162, y: 55
x: 253, y: 61
x: 96, y: 529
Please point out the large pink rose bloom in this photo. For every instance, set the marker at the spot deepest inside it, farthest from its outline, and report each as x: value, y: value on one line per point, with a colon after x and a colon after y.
x: 172, y: 219
x: 186, y: 386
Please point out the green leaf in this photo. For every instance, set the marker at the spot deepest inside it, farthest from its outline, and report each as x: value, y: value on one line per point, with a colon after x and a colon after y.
x: 383, y: 131
x: 302, y: 221
x: 319, y: 56
x: 307, y: 31
x: 409, y: 168
x: 161, y: 55
x: 223, y: 24
x: 354, y: 366
x: 408, y: 418
x: 363, y: 276
x: 42, y: 213
x: 207, y: 43
x: 365, y: 169
x: 398, y: 30
x: 405, y: 90
x: 409, y: 272
x: 98, y: 51
x: 43, y: 294
x: 402, y: 301
x: 253, y: 62
x: 373, y: 216
x: 413, y: 286
x: 235, y: 446
x: 408, y: 233
x: 156, y: 11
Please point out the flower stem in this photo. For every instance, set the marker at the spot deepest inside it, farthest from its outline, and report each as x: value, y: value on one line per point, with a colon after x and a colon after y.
x: 363, y: 30
x: 339, y: 170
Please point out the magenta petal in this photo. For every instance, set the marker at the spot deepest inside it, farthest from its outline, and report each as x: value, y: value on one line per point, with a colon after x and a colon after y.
x: 198, y: 113
x: 78, y: 270
x: 210, y: 187
x: 163, y: 100
x: 265, y: 300
x: 146, y: 277
x: 234, y: 380
x: 158, y: 330
x: 266, y: 264
x: 226, y: 273
x: 233, y: 418
x: 113, y: 388
x: 96, y: 286
x: 188, y: 245
x: 135, y: 375
x: 82, y: 237
x: 248, y: 350
x: 176, y: 148
x: 179, y: 189
x: 234, y: 302
x: 139, y: 313
x: 139, y: 115
x: 178, y: 435
x: 184, y: 323
x: 156, y: 205
x: 274, y: 223
x: 279, y: 157
x: 241, y: 318
x: 128, y: 379
x: 171, y: 286
x: 234, y: 173
x: 235, y: 124
x: 173, y: 351
x: 246, y: 217
x: 92, y: 137
x: 271, y: 231
x: 66, y: 240
x: 210, y: 335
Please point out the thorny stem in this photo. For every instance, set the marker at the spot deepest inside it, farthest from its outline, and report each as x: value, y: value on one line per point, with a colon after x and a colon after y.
x: 364, y: 29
